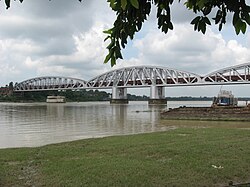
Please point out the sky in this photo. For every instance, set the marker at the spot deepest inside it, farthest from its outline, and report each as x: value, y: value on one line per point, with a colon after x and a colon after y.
x: 65, y: 38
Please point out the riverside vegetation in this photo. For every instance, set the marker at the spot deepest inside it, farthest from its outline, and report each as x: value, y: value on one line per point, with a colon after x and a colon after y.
x: 212, y: 156
x: 71, y: 96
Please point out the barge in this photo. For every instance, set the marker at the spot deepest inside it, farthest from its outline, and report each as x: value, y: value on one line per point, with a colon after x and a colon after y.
x: 224, y: 107
x: 225, y: 98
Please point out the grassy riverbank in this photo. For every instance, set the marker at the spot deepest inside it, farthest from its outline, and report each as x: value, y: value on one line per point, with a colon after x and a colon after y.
x: 181, y: 157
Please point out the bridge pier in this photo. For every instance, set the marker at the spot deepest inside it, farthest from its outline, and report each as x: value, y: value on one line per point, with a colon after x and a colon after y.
x: 119, y: 96
x: 157, y: 95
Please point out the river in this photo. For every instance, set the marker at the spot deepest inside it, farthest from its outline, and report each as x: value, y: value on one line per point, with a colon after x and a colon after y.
x: 37, y: 124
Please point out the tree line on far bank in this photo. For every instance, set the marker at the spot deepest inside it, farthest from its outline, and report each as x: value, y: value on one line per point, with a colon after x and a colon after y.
x: 91, y: 95
x: 85, y: 95
x: 71, y: 96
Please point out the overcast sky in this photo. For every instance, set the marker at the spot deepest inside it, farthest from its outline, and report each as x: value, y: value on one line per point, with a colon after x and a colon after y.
x: 64, y: 38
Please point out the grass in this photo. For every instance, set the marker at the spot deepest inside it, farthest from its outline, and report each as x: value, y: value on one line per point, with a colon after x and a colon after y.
x: 180, y: 157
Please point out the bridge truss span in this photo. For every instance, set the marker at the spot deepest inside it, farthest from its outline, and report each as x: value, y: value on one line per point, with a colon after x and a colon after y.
x: 143, y: 76
x: 50, y: 83
x: 239, y: 74
x: 140, y: 76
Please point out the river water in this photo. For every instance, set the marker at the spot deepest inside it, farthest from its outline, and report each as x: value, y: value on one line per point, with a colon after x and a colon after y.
x: 37, y: 124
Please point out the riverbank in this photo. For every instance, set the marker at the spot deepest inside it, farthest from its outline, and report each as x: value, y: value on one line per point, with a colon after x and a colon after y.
x: 180, y: 157
x: 208, y: 113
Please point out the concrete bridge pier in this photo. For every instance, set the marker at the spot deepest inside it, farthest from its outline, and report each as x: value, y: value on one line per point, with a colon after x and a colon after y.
x: 157, y: 95
x: 119, y: 96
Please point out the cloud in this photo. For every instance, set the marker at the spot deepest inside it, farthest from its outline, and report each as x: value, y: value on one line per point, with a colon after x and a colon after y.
x: 65, y: 38
x: 248, y: 40
x: 53, y: 37
x: 49, y: 24
x: 191, y: 51
x: 85, y: 62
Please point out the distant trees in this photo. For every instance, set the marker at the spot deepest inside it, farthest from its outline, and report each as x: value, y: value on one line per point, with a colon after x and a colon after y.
x: 71, y: 96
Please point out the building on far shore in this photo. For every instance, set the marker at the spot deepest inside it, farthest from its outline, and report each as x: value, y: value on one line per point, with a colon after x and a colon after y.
x: 5, y: 91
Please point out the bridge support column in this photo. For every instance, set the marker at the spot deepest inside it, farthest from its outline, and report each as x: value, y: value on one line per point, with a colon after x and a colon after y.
x: 157, y: 95
x: 119, y: 96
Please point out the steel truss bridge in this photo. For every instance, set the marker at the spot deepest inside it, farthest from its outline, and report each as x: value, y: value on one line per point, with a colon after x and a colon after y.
x: 139, y: 76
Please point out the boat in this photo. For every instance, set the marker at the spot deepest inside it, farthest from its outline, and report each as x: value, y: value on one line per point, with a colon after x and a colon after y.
x: 225, y: 107
x: 225, y: 98
x: 56, y: 99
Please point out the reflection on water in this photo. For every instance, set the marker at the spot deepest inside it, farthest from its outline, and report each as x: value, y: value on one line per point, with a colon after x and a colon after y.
x: 35, y: 124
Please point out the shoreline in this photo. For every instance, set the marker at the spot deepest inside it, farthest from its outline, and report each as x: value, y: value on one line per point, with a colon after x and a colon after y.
x: 193, y: 156
x: 218, y: 113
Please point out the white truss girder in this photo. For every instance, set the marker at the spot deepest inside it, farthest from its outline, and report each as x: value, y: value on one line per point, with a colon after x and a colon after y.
x: 239, y: 74
x: 140, y: 76
x: 143, y: 76
x: 50, y: 83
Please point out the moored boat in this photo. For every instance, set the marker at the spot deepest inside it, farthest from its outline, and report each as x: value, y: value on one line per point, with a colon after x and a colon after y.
x: 225, y: 98
x: 224, y: 108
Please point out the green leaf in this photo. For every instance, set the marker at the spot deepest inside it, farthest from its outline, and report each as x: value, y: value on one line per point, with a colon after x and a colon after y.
x: 206, y: 10
x: 108, y: 31
x: 112, y: 43
x: 237, y: 30
x: 164, y: 28
x: 218, y: 16
x: 118, y: 53
x: 112, y: 4
x: 7, y: 2
x: 162, y: 6
x: 170, y: 26
x: 207, y: 21
x: 196, y: 26
x: 247, y: 8
x: 147, y: 8
x: 113, y: 61
x: 188, y: 4
x: 202, y: 27
x: 107, y: 38
x: 107, y: 58
x: 201, y: 4
x: 195, y: 20
x: 243, y: 27
x: 237, y: 26
x: 123, y: 4
x: 248, y: 19
x: 236, y: 18
x: 220, y: 26
x: 134, y: 3
x: 139, y: 25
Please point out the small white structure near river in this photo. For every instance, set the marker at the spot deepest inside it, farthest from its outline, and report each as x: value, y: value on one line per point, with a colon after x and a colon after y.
x: 56, y: 99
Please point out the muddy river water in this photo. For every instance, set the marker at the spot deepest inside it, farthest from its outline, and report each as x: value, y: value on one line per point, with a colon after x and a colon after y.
x: 36, y: 124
